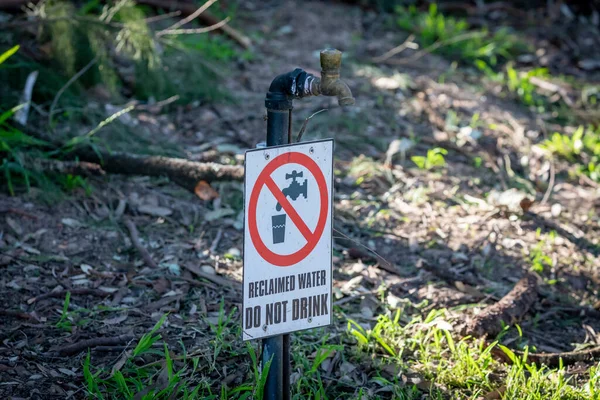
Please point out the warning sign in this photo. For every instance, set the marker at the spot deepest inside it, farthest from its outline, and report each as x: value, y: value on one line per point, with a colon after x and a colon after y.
x: 287, y: 239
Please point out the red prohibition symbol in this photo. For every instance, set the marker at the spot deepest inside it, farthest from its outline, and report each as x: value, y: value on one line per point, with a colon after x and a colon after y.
x: 265, y: 180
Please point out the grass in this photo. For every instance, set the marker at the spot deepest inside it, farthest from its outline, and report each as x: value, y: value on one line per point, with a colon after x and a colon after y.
x: 465, y: 369
x: 400, y: 356
x: 581, y: 148
x: 455, y: 37
x: 151, y: 370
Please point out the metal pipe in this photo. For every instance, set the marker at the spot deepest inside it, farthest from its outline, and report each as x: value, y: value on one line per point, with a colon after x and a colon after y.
x: 283, y: 90
x: 276, y: 348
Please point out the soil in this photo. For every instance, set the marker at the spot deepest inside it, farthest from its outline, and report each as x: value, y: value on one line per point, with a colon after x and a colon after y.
x: 461, y: 220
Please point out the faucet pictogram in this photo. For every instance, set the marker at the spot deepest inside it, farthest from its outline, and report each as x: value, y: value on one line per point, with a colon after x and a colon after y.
x: 295, y: 189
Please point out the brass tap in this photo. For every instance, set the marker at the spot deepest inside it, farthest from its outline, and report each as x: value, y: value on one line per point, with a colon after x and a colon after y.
x: 330, y: 83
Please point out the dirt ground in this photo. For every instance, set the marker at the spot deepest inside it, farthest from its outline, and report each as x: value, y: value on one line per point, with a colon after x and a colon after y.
x: 438, y: 239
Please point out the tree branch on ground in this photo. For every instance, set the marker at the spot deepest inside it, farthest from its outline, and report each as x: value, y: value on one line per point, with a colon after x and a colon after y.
x: 508, y: 311
x: 183, y: 172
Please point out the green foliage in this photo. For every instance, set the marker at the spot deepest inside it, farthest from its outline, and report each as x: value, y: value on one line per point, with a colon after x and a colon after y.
x: 465, y: 368
x: 538, y: 254
x: 582, y: 148
x: 433, y: 159
x: 518, y: 83
x: 456, y: 38
x: 127, y: 57
x: 4, y: 56
x: 12, y: 143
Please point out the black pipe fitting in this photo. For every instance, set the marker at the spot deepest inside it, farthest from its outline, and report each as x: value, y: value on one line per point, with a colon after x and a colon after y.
x: 299, y: 83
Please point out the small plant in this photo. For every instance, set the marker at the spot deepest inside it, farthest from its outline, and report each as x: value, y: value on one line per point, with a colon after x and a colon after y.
x: 582, y: 148
x: 433, y: 159
x: 455, y: 38
x: 64, y: 322
x: 518, y: 83
x: 537, y: 255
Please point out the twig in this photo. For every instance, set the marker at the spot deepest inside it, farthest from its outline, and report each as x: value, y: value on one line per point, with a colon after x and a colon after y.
x: 160, y: 303
x: 16, y: 314
x: 156, y: 18
x: 159, y: 104
x: 435, y: 46
x: 408, y: 43
x: 553, y: 360
x: 193, y: 31
x: 62, y: 293
x: 77, y: 348
x: 550, y: 184
x: 66, y: 86
x: 446, y: 274
x: 380, y: 257
x: 135, y: 239
x: 189, y: 18
x: 213, y: 278
x: 215, y: 243
x: 193, y: 282
x: 10, y: 210
x: 299, y: 137
x: 206, y: 17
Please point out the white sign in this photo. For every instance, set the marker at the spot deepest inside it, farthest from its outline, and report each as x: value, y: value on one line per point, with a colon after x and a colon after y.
x: 287, y: 238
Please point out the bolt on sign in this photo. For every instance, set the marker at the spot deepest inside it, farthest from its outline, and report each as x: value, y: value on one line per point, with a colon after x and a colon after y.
x: 287, y: 238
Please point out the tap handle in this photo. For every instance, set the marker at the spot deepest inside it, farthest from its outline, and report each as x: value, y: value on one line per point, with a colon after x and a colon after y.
x: 331, y: 60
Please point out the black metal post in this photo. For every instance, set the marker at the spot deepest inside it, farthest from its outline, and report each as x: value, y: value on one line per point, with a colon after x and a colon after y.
x: 284, y: 88
x: 276, y: 348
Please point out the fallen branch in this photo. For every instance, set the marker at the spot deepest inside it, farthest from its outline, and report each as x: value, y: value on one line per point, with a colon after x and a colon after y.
x: 82, y: 168
x: 135, y: 240
x: 188, y: 9
x: 77, y: 348
x: 60, y: 294
x: 183, y: 172
x: 508, y: 311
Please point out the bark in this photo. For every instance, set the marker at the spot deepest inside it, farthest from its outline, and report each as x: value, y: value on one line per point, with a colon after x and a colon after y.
x: 185, y: 173
x: 508, y: 311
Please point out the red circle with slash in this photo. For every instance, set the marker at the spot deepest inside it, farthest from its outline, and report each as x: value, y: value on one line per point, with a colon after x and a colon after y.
x: 265, y: 180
